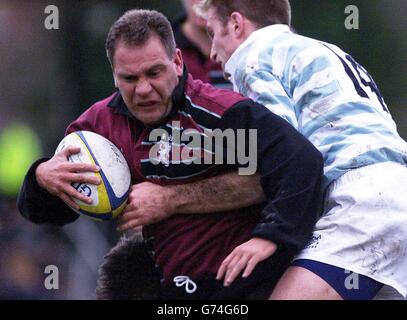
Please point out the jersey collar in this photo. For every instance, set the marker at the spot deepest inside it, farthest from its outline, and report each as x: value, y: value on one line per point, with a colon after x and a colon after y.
x: 268, y: 32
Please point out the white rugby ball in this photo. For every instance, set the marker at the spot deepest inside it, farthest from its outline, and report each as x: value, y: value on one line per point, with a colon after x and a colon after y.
x: 110, y: 197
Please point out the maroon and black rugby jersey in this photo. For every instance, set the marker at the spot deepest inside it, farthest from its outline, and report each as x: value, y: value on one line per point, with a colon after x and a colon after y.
x: 195, y: 245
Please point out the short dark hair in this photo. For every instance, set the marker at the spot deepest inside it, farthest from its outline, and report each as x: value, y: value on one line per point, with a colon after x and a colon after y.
x: 136, y: 27
x: 261, y: 13
x: 129, y: 272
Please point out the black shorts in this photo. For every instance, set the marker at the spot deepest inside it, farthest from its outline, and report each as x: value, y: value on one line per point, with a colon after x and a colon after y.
x: 129, y: 272
x: 258, y: 286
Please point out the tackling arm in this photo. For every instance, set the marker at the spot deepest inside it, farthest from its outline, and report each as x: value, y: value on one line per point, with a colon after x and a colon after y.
x: 221, y: 193
x: 150, y: 203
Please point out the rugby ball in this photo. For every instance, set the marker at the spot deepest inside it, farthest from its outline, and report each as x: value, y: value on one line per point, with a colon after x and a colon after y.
x: 110, y: 197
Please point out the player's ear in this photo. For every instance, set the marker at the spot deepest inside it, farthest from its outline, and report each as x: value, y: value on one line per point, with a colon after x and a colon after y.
x: 178, y: 61
x: 115, y: 80
x: 237, y: 22
x: 114, y: 76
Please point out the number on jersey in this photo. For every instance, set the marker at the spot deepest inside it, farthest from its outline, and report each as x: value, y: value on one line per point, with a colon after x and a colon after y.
x: 361, y: 78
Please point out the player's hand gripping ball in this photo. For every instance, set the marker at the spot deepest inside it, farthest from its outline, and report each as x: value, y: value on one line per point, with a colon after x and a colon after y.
x: 110, y: 197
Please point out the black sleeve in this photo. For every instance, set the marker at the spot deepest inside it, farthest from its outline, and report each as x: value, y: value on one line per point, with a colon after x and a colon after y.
x: 39, y: 206
x: 291, y: 170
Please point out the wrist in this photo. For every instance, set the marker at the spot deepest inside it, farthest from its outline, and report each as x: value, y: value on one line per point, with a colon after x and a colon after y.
x: 38, y: 176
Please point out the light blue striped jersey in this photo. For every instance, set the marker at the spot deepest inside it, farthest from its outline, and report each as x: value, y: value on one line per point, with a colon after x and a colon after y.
x: 321, y: 91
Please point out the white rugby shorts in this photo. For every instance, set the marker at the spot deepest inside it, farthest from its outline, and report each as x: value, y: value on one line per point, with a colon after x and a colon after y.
x: 364, y: 226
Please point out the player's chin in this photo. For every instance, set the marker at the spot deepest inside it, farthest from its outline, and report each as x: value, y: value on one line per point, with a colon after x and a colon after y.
x: 149, y: 115
x: 152, y: 118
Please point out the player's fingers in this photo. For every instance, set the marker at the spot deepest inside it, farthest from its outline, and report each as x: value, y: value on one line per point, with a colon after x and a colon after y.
x: 123, y: 219
x: 78, y: 167
x: 250, y: 267
x: 133, y: 224
x: 83, y: 178
x: 141, y: 220
x: 65, y: 198
x: 223, y: 267
x: 235, y: 267
x: 221, y: 271
x: 70, y: 150
x: 131, y: 207
x: 74, y: 194
x: 128, y: 214
x: 83, y: 167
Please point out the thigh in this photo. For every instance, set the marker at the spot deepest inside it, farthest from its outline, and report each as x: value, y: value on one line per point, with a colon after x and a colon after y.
x: 313, y: 280
x: 298, y: 283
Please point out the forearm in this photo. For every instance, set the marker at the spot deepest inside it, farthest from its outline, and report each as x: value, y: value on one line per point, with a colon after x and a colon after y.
x: 221, y: 193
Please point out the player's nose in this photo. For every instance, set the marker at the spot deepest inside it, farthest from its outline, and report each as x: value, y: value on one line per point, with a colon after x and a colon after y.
x: 213, y: 54
x: 143, y: 87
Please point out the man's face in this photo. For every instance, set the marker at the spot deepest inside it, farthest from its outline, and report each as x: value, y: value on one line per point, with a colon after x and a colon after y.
x: 224, y: 42
x: 146, y: 78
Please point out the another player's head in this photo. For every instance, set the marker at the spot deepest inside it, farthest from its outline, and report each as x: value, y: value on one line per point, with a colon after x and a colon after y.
x: 146, y: 64
x: 128, y: 272
x: 192, y: 17
x: 230, y: 22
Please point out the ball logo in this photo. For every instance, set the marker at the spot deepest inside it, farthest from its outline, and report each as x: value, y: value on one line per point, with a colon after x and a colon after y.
x: 83, y: 188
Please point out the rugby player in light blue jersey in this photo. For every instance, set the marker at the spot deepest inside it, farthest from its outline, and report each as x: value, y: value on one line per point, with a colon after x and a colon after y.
x: 359, y: 244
